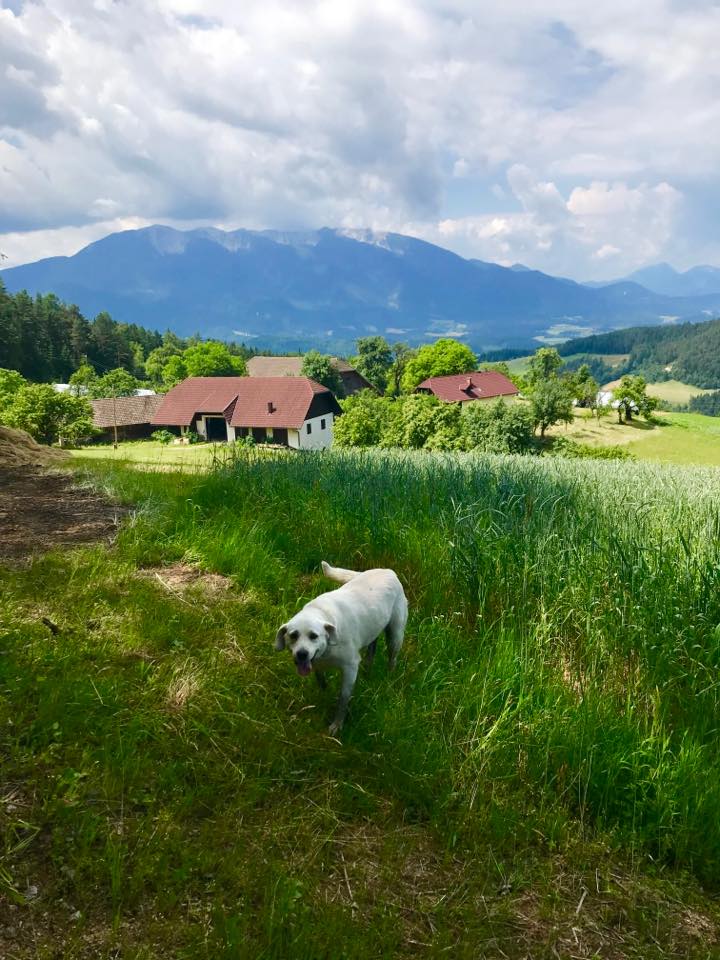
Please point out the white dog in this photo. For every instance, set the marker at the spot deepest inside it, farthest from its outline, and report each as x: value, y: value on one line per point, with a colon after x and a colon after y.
x: 331, y: 630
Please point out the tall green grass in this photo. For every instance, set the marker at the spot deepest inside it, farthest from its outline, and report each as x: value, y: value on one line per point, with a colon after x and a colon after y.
x: 561, y: 666
x: 168, y: 777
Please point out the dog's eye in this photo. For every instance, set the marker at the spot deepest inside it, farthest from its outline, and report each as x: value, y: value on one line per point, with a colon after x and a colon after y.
x: 313, y: 636
x: 295, y: 634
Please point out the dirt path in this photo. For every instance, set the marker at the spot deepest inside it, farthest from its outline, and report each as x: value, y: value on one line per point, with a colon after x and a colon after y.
x: 41, y: 510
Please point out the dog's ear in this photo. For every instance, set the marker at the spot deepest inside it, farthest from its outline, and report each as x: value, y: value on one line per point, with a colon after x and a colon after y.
x: 330, y: 633
x: 280, y: 637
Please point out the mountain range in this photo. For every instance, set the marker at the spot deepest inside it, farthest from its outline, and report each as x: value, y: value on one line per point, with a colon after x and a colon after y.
x: 290, y: 290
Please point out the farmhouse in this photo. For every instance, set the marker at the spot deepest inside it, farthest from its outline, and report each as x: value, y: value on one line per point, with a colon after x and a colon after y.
x: 467, y: 387
x: 133, y: 416
x: 352, y: 381
x: 291, y: 411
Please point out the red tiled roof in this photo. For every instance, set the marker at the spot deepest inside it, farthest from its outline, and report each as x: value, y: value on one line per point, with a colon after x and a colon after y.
x: 479, y: 385
x: 125, y: 411
x: 196, y: 395
x: 289, y: 398
x: 244, y: 401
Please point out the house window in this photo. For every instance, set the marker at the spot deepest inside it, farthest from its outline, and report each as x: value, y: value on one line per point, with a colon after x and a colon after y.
x: 309, y: 427
x: 322, y: 424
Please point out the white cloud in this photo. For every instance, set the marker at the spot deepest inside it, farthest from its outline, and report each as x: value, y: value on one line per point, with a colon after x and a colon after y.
x: 340, y: 112
x: 605, y: 251
x: 595, y: 224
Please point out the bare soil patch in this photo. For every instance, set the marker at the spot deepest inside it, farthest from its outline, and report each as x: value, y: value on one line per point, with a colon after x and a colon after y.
x: 181, y: 576
x: 41, y: 510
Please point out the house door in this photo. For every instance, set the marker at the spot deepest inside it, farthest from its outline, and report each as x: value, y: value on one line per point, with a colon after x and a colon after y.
x: 216, y: 428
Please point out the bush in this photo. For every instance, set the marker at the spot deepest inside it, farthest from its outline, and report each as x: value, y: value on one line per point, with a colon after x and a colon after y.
x: 49, y: 416
x: 162, y: 436
x: 498, y: 427
x: 565, y: 447
x: 422, y: 422
x: 363, y: 419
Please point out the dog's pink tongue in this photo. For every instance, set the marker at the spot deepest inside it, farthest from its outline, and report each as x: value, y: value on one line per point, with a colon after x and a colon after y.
x: 304, y: 669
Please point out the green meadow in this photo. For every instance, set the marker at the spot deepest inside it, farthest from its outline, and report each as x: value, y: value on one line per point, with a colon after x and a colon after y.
x: 540, y: 777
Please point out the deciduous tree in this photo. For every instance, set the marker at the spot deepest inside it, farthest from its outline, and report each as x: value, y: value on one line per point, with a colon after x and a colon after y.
x: 439, y: 359
x: 320, y: 368
x: 49, y: 416
x: 374, y: 360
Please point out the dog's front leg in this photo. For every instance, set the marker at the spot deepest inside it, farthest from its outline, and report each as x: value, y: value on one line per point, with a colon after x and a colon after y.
x: 349, y: 676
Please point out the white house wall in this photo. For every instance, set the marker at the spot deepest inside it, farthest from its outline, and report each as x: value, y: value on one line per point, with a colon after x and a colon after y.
x: 318, y: 438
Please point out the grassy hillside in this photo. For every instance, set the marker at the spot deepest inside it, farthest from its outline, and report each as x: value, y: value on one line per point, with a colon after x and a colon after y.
x: 540, y: 777
x: 675, y: 438
x: 674, y: 391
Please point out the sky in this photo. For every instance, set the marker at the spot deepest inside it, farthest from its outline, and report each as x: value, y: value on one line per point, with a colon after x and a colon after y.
x: 576, y: 137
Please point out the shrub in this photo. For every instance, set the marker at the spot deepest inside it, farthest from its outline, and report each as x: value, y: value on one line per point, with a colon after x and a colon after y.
x: 49, y: 416
x: 498, y: 427
x: 565, y: 447
x: 162, y: 436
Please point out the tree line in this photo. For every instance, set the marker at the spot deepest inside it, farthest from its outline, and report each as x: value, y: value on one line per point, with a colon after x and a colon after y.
x: 47, y: 341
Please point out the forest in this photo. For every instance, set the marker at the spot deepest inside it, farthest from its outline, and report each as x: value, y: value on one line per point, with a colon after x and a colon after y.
x: 45, y: 339
x: 692, y: 350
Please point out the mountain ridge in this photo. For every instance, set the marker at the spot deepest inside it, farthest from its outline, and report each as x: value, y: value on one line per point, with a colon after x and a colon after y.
x: 328, y: 287
x: 664, y: 279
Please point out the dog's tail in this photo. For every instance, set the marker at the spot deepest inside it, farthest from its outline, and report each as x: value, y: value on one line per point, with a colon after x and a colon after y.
x: 337, y: 573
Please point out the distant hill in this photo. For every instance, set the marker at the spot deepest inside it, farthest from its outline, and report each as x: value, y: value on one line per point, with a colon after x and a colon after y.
x: 689, y: 352
x: 325, y: 288
x: 666, y: 280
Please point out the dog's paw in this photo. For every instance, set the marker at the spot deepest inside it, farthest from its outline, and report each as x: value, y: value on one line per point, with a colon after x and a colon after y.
x: 335, y: 728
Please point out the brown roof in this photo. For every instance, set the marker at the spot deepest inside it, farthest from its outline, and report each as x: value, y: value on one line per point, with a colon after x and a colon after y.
x: 461, y: 387
x: 196, y: 395
x: 244, y: 401
x: 127, y: 411
x: 292, y: 367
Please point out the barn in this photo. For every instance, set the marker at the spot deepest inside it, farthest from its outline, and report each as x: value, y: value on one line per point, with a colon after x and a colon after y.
x: 132, y: 417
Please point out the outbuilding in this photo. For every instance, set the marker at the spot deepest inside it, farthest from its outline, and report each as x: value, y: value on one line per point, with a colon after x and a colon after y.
x: 352, y: 380
x: 132, y: 417
x: 289, y: 411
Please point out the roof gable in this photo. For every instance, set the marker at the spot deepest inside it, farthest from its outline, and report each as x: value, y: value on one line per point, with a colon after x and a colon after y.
x: 196, y: 395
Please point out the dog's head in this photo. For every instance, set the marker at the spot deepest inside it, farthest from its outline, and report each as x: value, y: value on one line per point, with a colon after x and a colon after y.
x: 308, y: 637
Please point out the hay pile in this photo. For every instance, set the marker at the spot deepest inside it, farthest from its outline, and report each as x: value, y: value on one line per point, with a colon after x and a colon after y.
x: 18, y: 449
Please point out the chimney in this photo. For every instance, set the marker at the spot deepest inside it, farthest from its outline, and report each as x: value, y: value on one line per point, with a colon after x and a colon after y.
x: 468, y: 385
x: 271, y: 407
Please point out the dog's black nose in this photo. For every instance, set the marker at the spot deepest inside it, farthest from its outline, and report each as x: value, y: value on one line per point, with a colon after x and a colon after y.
x: 301, y: 656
